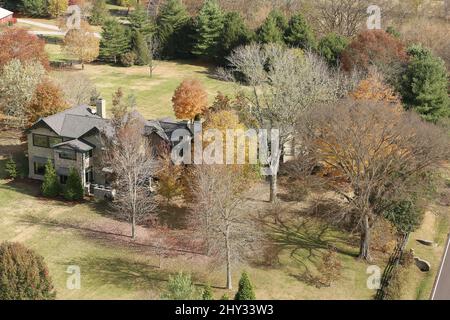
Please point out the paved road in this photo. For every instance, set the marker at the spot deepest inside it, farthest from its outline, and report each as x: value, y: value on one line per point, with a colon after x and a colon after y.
x: 441, y: 290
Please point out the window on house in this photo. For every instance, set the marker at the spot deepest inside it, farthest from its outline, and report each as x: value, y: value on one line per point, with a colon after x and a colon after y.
x: 54, y: 140
x: 40, y: 141
x: 68, y: 155
x: 89, y: 154
x: 39, y: 168
x: 63, y: 179
x: 89, y: 176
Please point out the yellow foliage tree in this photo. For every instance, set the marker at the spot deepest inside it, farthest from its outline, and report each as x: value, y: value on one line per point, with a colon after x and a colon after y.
x: 169, y: 179
x: 82, y: 44
x: 190, y: 99
x: 57, y: 7
x: 373, y: 88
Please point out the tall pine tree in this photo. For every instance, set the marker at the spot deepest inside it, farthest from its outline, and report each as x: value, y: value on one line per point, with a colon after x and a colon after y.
x: 140, y: 48
x: 208, y: 28
x: 172, y: 24
x: 245, y: 291
x: 115, y: 41
x: 299, y: 34
x: 234, y: 34
x: 424, y: 85
x: 99, y: 12
x: 271, y: 30
x: 74, y: 188
x: 139, y: 21
x: 331, y: 47
x: 50, y: 187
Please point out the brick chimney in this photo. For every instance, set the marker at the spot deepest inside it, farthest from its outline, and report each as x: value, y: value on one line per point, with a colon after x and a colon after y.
x: 101, y: 107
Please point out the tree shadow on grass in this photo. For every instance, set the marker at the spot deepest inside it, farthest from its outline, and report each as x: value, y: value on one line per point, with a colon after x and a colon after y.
x: 122, y: 272
x: 32, y: 219
x: 172, y: 216
x: 25, y: 186
x: 306, y: 238
x: 114, y: 237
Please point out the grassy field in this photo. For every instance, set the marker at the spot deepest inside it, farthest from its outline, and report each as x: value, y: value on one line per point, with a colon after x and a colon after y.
x: 435, y: 227
x: 114, y: 267
x: 153, y: 94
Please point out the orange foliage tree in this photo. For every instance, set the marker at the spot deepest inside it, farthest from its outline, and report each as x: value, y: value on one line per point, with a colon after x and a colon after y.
x: 373, y: 47
x: 17, y: 43
x: 190, y: 99
x: 373, y: 88
x: 371, y: 155
x: 47, y: 100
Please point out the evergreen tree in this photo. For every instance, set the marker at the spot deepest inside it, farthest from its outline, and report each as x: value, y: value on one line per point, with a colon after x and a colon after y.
x: 114, y: 42
x: 99, y: 12
x: 270, y: 32
x: 245, y: 291
x: 23, y: 274
x: 140, y: 22
x: 74, y: 188
x: 180, y: 287
x: 33, y: 8
x: 299, y: 33
x: 172, y: 25
x: 280, y: 20
x: 208, y: 28
x: 234, y: 34
x: 331, y: 47
x: 207, y: 293
x: 11, y: 168
x: 424, y: 85
x: 418, y: 51
x: 50, y: 187
x: 140, y: 49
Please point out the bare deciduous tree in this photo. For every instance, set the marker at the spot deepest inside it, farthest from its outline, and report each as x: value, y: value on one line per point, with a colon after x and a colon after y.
x: 371, y: 154
x: 77, y: 88
x: 227, y: 226
x: 283, y: 86
x: 128, y: 155
x: 154, y: 47
x: 348, y: 17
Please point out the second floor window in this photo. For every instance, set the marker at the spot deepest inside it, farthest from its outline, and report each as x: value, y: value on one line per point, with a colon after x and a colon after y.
x: 68, y: 155
x: 43, y: 141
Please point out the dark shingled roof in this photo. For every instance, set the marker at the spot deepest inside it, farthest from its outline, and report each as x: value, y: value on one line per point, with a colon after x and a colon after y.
x: 74, y: 122
x: 77, y: 121
x: 75, y: 144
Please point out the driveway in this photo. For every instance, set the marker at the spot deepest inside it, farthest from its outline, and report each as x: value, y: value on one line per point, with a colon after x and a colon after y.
x: 51, y: 29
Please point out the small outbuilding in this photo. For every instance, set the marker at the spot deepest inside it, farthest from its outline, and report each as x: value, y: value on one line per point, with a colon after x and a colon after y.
x: 6, y: 16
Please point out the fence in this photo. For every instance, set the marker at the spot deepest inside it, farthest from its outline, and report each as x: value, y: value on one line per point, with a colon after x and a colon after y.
x: 394, y: 260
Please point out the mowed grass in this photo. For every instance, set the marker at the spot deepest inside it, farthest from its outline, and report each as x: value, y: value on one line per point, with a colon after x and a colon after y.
x: 435, y: 227
x: 153, y: 94
x: 112, y: 267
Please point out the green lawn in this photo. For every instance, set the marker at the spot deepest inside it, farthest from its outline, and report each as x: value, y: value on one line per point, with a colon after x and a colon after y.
x: 114, y: 268
x: 153, y: 94
x: 435, y: 227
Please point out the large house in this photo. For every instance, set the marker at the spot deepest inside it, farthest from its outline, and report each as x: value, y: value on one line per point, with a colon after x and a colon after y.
x: 71, y: 139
